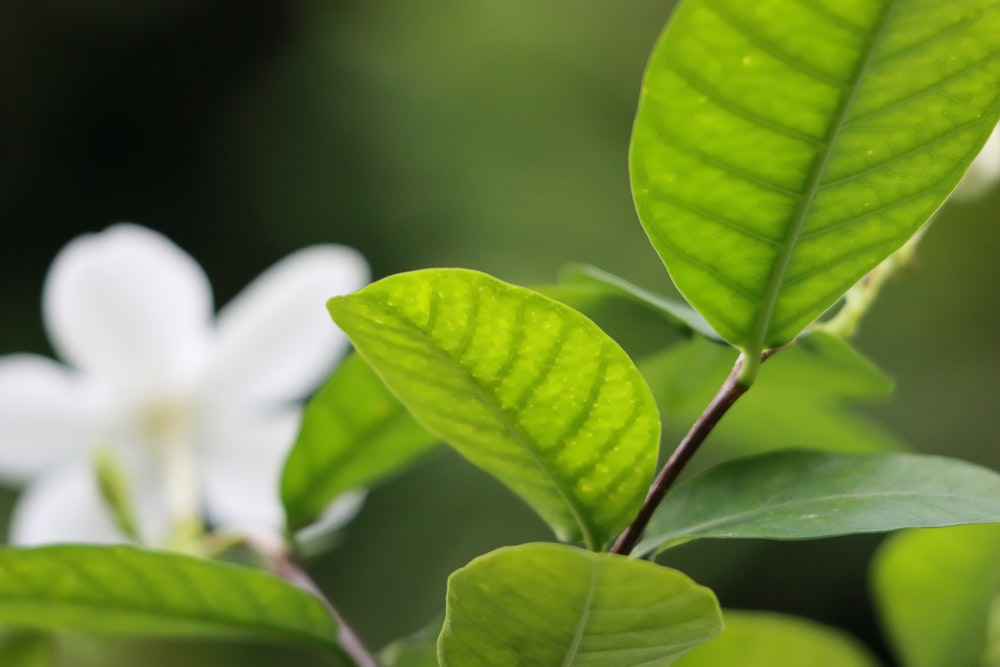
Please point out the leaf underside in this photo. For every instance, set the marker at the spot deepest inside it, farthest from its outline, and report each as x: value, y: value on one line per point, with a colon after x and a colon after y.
x: 522, y: 386
x: 798, y: 495
x: 782, y: 148
x: 548, y: 605
x: 126, y: 591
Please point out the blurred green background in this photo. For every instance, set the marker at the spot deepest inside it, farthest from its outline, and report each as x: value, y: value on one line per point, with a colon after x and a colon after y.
x: 489, y: 135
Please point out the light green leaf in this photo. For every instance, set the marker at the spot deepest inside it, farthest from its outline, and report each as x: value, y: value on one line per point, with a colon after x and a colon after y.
x: 677, y: 313
x: 417, y: 650
x: 524, y: 387
x: 782, y: 148
x: 798, y: 495
x: 803, y: 398
x: 548, y: 605
x: 934, y: 590
x: 759, y: 639
x: 354, y: 433
x: 126, y: 591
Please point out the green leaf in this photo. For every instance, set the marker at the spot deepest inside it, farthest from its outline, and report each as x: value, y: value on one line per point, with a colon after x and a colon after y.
x: 935, y: 589
x: 524, y: 387
x: 799, y: 495
x: 126, y: 591
x: 782, y: 148
x: 803, y: 397
x: 26, y: 649
x: 548, y: 605
x: 677, y: 313
x: 417, y: 650
x: 757, y: 639
x: 354, y: 433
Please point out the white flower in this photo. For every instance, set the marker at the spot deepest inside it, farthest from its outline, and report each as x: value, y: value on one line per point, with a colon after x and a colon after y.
x: 984, y: 172
x: 198, y: 411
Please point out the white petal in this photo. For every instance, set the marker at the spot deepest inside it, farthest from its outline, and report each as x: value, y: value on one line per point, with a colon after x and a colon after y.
x: 130, y: 306
x: 276, y: 339
x: 47, y: 413
x: 63, y: 506
x: 241, y: 462
x: 984, y: 172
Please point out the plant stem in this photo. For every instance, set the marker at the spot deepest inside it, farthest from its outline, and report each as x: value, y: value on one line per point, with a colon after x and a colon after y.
x: 284, y: 564
x: 286, y: 567
x: 727, y: 395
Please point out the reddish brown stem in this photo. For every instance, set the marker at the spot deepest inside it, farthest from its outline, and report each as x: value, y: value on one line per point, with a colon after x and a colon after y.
x: 728, y: 394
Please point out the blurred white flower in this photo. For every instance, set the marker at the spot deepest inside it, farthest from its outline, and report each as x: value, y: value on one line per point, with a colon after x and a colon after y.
x: 198, y: 411
x: 984, y: 172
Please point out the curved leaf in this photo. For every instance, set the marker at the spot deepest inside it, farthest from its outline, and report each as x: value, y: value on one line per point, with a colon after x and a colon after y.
x: 935, y: 589
x: 549, y: 605
x: 354, y: 432
x: 798, y: 495
x: 678, y: 314
x: 524, y: 387
x: 126, y: 591
x: 760, y: 639
x: 783, y: 148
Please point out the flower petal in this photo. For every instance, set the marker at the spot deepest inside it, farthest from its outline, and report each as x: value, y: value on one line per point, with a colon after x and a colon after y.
x: 47, y: 412
x: 129, y: 306
x: 63, y: 506
x: 241, y: 462
x: 276, y: 340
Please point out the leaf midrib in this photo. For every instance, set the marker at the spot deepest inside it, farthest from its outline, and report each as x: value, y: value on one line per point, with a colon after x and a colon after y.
x: 584, y: 620
x: 512, y: 428
x: 776, y: 280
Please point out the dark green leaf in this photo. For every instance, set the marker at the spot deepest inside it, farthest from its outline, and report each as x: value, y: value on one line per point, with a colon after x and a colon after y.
x: 782, y: 148
x: 548, y: 605
x: 126, y: 591
x: 523, y: 386
x: 758, y: 639
x: 935, y: 590
x: 26, y: 649
x: 797, y: 495
x: 354, y: 433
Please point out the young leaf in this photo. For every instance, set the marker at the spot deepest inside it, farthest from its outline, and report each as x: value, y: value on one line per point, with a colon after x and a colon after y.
x: 354, y: 432
x: 416, y: 650
x: 935, y: 589
x: 759, y: 639
x: 549, y: 605
x: 524, y: 387
x: 802, y: 399
x: 782, y: 148
x: 798, y: 495
x: 126, y: 591
x: 678, y: 314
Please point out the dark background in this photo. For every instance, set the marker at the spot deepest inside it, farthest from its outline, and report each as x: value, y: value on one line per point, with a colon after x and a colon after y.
x: 489, y: 135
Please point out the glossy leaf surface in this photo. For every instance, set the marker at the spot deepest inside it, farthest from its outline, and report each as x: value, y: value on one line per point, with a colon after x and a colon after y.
x: 936, y: 590
x: 524, y: 387
x: 759, y: 639
x: 783, y: 148
x: 798, y: 495
x: 804, y: 397
x: 354, y: 433
x: 547, y: 605
x: 126, y: 591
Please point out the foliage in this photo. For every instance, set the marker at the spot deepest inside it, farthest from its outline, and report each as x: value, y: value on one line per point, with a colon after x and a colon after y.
x: 785, y: 154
